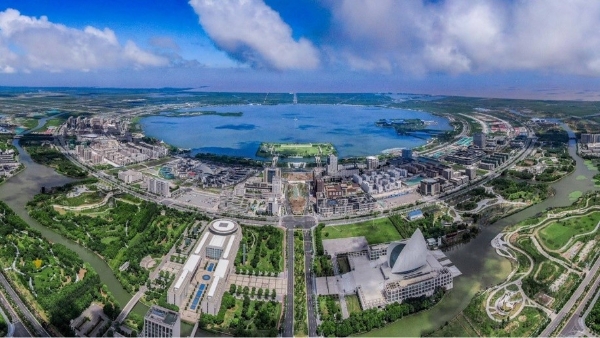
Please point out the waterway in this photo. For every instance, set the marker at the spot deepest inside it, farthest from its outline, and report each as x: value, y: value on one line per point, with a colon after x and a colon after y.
x: 478, y: 261
x: 351, y: 129
x: 20, y: 189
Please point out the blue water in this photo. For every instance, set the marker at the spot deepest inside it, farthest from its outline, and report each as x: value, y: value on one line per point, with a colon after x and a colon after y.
x: 211, y: 267
x: 351, y: 129
x: 196, y: 299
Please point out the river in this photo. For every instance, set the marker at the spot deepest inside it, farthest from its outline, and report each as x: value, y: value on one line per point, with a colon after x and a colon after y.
x: 478, y: 261
x: 20, y: 189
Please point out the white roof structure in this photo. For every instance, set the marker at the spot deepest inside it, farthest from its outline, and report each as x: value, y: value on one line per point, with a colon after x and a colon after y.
x: 181, y: 279
x: 217, y: 241
x: 221, y: 269
x: 223, y: 227
x: 213, y: 286
x: 199, y: 247
x: 229, y: 245
x: 191, y: 263
x: 408, y: 256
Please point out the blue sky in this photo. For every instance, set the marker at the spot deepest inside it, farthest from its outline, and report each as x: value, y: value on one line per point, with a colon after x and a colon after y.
x: 536, y: 48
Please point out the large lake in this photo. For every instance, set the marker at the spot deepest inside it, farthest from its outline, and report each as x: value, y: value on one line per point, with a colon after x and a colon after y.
x: 351, y: 129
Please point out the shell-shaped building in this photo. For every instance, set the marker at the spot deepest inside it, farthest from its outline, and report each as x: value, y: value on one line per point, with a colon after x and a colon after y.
x: 409, y: 256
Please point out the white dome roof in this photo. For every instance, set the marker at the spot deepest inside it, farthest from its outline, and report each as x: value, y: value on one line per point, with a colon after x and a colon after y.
x: 408, y: 256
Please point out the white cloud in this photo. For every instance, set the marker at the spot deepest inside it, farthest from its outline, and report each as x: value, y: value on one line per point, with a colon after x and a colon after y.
x: 252, y: 32
x: 28, y: 43
x: 464, y: 36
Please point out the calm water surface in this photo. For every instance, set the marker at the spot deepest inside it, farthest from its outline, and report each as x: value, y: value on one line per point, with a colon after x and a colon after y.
x: 351, y: 129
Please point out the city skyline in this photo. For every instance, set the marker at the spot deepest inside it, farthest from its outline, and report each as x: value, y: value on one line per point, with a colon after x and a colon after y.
x: 536, y: 49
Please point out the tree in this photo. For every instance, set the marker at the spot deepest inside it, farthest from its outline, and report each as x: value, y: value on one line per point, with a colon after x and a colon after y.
x: 266, y: 293
x: 260, y: 293
x: 273, y: 294
x: 232, y: 289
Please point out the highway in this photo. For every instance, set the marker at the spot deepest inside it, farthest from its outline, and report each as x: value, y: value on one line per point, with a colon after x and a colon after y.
x: 39, y: 330
x: 572, y: 323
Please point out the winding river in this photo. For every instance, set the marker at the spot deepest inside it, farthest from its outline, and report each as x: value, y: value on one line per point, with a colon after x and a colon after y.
x: 477, y: 260
x: 20, y: 189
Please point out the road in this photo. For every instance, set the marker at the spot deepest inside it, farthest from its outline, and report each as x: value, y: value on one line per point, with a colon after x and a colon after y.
x: 571, y: 325
x: 288, y: 321
x: 311, y: 291
x: 39, y: 330
x: 17, y: 328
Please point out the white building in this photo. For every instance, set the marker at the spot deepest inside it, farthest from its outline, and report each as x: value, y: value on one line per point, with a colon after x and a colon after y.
x: 161, y: 322
x: 130, y: 176
x: 159, y: 187
x: 394, y: 272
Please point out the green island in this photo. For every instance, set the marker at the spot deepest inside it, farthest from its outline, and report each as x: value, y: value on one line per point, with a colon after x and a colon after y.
x: 204, y: 113
x: 55, y: 283
x: 402, y: 126
x: 295, y: 150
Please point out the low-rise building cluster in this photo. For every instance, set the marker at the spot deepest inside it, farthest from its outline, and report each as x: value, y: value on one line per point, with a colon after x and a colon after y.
x: 590, y: 145
x: 8, y: 162
x: 109, y: 150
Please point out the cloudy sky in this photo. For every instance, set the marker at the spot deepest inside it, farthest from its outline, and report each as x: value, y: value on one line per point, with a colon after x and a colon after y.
x: 508, y: 48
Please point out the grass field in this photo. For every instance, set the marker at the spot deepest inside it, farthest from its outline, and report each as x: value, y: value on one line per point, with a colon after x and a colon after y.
x: 53, y: 122
x: 353, y: 304
x: 557, y: 234
x: 295, y: 149
x: 378, y: 231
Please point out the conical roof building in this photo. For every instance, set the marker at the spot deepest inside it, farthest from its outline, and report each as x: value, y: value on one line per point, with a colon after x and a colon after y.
x: 407, y: 257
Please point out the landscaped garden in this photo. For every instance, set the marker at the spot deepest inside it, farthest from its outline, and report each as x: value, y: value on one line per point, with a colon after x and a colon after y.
x: 474, y: 322
x: 55, y: 283
x: 520, y: 191
x: 557, y: 234
x: 300, y: 314
x: 262, y: 247
x: 123, y: 231
x: 244, y: 317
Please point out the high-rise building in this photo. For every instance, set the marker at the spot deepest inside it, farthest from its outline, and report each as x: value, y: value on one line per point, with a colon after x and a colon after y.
x: 332, y: 164
x: 407, y: 154
x: 479, y: 140
x: 430, y: 186
x: 271, y: 173
x: 447, y: 173
x: 471, y: 172
x: 161, y: 322
x: 159, y: 187
x: 372, y: 162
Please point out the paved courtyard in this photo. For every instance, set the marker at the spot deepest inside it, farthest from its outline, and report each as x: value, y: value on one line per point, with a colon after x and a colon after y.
x: 277, y: 283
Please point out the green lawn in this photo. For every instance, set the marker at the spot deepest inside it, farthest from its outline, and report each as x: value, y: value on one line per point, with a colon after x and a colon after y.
x: 53, y: 122
x: 557, y: 234
x: 378, y: 231
x: 353, y: 304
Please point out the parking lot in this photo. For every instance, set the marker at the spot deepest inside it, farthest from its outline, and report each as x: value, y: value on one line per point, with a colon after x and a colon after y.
x: 202, y: 200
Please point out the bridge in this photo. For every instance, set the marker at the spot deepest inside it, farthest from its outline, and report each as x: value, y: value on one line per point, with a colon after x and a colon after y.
x: 129, y: 306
